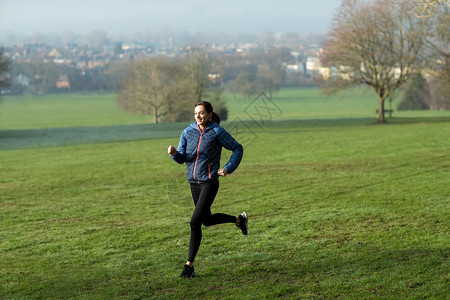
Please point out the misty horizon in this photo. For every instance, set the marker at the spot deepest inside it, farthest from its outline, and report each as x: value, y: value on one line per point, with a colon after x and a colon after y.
x: 26, y: 17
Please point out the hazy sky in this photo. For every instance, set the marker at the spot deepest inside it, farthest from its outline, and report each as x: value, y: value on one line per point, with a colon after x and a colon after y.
x: 231, y: 16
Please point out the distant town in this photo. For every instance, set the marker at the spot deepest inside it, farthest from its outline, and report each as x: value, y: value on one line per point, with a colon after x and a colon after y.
x: 45, y: 66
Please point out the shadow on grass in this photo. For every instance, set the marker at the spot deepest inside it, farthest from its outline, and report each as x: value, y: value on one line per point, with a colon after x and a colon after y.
x: 361, y: 121
x: 415, y: 120
x: 53, y: 137
x: 293, y: 98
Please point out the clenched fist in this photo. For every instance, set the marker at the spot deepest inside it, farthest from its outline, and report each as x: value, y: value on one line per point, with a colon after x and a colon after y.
x: 172, y: 150
x: 222, y: 172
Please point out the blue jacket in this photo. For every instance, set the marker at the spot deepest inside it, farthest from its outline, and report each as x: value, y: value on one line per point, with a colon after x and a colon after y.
x: 201, y: 151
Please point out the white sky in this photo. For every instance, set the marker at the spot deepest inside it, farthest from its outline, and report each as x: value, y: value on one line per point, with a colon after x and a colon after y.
x: 231, y: 16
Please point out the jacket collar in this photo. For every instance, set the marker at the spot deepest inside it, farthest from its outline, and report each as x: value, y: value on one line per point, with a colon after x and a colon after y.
x: 209, y: 125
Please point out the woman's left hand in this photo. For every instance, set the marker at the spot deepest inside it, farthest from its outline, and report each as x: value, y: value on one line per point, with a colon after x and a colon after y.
x: 223, y: 172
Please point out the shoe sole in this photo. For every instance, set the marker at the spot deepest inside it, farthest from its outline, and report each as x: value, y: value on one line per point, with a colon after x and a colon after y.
x: 244, y: 214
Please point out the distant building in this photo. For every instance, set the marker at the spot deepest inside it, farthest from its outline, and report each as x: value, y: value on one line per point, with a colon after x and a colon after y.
x: 313, y: 65
x: 21, y: 80
x: 63, y: 82
x: 215, y: 79
x: 54, y: 53
x: 325, y: 72
x: 295, y: 68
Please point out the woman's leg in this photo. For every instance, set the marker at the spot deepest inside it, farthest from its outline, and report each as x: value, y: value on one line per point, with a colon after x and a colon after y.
x: 203, y: 196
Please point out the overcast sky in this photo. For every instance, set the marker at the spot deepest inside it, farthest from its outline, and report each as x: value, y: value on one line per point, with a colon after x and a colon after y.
x: 231, y: 16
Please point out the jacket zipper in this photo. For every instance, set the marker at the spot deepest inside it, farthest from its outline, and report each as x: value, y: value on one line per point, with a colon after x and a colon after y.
x: 209, y: 171
x: 198, y: 148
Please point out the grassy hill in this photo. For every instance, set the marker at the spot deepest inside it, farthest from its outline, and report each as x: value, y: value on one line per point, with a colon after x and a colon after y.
x: 339, y: 206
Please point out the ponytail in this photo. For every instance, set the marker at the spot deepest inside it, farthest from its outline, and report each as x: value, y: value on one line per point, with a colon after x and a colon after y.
x: 215, y: 118
x: 209, y: 109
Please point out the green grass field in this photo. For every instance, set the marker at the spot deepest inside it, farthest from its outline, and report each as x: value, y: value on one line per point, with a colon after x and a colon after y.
x: 339, y: 206
x: 75, y: 110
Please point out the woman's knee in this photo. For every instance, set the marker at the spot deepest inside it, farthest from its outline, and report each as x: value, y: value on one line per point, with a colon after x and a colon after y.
x: 195, y: 223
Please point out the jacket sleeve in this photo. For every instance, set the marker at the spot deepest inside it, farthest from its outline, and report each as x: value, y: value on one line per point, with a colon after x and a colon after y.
x: 229, y: 143
x: 180, y: 157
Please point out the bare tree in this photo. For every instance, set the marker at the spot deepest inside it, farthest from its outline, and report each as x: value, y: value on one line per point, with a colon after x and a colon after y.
x: 116, y: 72
x: 198, y: 66
x: 271, y: 72
x: 375, y: 43
x: 429, y: 7
x: 181, y: 99
x: 269, y: 78
x: 149, y: 84
x: 197, y: 85
x: 4, y: 67
x: 246, y: 85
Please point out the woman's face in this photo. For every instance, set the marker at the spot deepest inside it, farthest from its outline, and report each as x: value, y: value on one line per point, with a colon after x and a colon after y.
x: 201, y: 115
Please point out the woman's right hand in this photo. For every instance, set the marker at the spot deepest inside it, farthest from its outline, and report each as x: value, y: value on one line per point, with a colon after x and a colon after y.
x: 172, y: 150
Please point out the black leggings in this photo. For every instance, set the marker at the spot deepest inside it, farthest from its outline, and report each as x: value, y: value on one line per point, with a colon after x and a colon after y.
x: 203, y: 195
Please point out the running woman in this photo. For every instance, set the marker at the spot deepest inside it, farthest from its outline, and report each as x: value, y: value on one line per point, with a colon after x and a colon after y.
x: 200, y: 148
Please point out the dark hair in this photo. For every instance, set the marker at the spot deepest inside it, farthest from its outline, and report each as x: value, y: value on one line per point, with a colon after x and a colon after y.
x: 209, y: 109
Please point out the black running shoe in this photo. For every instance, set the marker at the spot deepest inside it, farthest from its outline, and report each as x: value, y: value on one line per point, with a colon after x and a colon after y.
x: 188, y: 272
x: 243, y: 224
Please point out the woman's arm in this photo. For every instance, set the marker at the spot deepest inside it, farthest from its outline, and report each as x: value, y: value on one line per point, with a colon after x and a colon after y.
x: 178, y: 155
x: 229, y: 143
